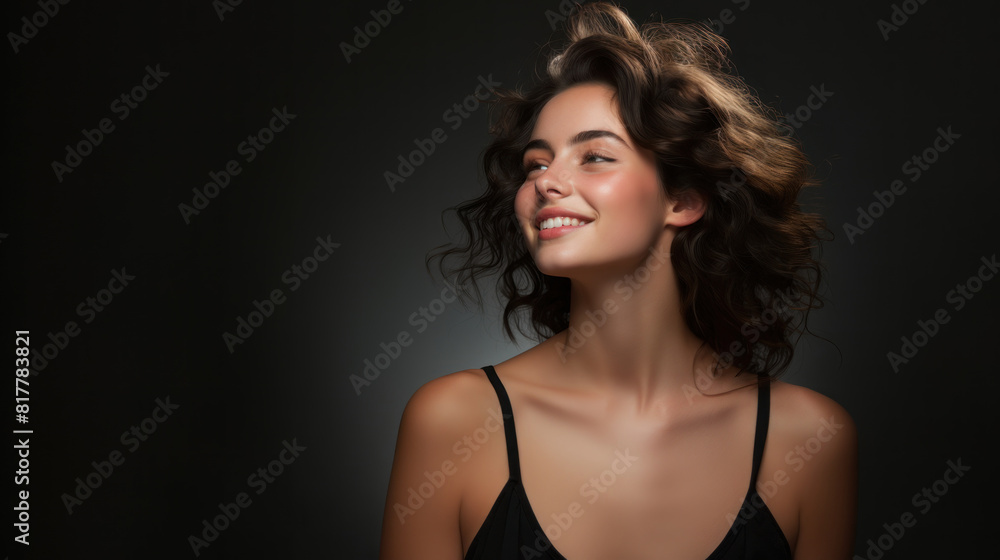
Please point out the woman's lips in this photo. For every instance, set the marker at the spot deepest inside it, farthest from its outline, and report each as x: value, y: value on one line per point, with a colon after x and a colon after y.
x: 552, y: 233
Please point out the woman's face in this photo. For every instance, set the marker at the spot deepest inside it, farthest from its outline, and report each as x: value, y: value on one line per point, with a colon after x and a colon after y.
x: 581, y: 164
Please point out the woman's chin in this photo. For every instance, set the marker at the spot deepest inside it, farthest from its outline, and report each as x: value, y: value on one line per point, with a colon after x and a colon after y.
x: 565, y: 267
x: 560, y: 269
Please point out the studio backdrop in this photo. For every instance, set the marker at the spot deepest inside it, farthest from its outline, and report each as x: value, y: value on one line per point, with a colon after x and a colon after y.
x: 215, y: 218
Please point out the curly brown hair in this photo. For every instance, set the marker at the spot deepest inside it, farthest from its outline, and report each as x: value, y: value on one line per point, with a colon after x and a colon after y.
x: 746, y: 271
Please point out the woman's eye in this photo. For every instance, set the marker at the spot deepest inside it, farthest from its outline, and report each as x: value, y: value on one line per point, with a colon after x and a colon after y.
x: 591, y: 157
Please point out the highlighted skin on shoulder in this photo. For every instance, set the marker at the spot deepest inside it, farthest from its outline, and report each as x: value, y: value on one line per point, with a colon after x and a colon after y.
x: 820, y: 451
x: 421, y: 517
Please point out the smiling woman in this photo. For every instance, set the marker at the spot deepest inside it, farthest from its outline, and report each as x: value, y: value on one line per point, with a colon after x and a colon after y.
x: 641, y: 207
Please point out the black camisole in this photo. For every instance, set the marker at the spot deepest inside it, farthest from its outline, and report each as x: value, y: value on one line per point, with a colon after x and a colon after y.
x: 512, y: 532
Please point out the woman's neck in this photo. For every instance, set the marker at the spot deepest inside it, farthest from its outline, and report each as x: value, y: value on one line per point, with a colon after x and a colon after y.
x: 627, y: 335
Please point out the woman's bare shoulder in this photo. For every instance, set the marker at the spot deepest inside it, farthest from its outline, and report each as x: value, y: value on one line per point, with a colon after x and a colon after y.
x: 818, y: 441
x: 797, y: 405
x: 447, y: 405
x: 426, y: 487
x: 802, y: 418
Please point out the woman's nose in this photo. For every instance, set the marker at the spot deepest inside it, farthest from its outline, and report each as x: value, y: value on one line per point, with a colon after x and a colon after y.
x: 554, y: 181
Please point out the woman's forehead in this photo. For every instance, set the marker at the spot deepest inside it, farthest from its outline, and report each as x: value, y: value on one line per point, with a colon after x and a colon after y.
x: 589, y: 106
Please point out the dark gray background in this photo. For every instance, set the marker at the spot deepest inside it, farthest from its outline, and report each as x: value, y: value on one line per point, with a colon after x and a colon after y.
x: 323, y: 176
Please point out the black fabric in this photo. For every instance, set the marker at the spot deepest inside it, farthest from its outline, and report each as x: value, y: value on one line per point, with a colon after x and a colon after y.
x: 512, y: 532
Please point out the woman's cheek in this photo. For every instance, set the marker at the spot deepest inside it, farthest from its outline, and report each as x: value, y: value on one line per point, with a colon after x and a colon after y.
x: 523, y: 208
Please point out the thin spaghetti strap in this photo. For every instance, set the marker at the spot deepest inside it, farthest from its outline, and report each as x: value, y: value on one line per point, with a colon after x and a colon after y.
x: 763, y: 415
x: 513, y: 463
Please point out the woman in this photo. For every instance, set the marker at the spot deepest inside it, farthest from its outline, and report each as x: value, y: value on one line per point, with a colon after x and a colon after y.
x: 642, y: 206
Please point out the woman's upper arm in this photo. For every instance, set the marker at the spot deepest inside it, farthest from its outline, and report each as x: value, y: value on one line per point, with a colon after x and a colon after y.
x: 828, y: 511
x: 421, y: 517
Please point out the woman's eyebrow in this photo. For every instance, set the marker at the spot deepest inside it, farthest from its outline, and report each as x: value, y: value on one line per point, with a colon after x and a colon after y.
x: 580, y: 137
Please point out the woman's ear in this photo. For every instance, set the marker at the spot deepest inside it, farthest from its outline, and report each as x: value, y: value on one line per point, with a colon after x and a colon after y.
x: 686, y: 208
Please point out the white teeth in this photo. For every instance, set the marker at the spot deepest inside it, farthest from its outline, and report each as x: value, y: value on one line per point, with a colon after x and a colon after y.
x: 560, y: 222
